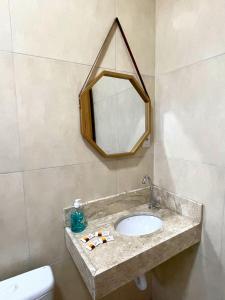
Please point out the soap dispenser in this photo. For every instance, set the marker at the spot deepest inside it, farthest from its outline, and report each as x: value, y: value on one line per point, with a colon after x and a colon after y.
x: 78, y: 219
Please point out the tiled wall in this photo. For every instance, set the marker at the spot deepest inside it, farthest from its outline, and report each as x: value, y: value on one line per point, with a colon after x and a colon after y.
x: 46, y: 51
x: 190, y: 138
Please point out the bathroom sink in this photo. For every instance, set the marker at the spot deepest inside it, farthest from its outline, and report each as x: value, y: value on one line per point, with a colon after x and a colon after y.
x: 138, y: 224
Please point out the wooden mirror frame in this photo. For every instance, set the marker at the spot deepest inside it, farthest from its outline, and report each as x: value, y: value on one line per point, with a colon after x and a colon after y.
x: 86, y: 113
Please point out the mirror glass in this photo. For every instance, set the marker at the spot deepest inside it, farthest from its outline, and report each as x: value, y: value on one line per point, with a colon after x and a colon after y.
x: 118, y: 114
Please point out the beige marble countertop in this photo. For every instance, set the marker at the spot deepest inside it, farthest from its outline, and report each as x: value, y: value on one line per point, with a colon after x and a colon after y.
x: 113, y: 264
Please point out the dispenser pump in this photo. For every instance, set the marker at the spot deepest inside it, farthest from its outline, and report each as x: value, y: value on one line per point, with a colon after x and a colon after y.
x: 77, y: 203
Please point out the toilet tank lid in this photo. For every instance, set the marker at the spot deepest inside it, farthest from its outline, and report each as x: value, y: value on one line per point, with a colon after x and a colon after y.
x: 29, y: 285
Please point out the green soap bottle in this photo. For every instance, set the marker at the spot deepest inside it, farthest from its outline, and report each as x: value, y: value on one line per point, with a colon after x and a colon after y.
x: 78, y: 220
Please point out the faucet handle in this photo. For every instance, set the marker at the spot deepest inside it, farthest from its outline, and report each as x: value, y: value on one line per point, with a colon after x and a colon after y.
x: 147, y: 179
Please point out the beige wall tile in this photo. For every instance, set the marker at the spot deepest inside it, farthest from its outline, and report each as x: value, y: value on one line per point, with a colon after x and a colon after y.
x: 131, y: 292
x: 138, y: 21
x: 48, y: 111
x: 189, y: 149
x: 48, y: 191
x: 97, y: 180
x: 188, y: 276
x: 14, y: 242
x: 223, y: 253
x: 190, y: 108
x: 66, y: 275
x: 9, y: 141
x: 73, y: 31
x: 199, y: 182
x: 5, y: 29
x: 188, y: 31
x: 132, y: 170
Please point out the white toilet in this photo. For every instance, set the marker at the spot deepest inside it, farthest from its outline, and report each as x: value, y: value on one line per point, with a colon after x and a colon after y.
x: 37, y: 284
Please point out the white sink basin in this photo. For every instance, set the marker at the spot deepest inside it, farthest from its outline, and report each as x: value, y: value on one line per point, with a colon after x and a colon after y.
x: 139, y: 224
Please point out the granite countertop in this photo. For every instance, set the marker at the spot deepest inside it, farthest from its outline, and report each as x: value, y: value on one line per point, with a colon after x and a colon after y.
x: 115, y: 263
x: 123, y: 248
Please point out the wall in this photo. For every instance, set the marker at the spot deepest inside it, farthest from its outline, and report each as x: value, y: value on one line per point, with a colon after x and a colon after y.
x: 46, y: 51
x: 189, y: 138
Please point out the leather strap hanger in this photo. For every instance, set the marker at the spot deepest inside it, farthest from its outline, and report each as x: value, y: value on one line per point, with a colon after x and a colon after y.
x: 116, y: 23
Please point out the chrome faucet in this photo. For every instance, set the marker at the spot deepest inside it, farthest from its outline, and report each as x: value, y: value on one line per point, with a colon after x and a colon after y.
x: 147, y: 179
x: 152, y: 202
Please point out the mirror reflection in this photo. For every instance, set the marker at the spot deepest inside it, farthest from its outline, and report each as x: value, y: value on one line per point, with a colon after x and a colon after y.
x: 118, y: 115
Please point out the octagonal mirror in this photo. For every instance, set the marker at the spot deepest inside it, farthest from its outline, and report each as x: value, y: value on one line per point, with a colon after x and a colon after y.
x: 115, y: 114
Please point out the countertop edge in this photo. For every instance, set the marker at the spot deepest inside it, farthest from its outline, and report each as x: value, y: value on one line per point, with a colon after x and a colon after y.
x: 127, y: 270
x: 87, y: 271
